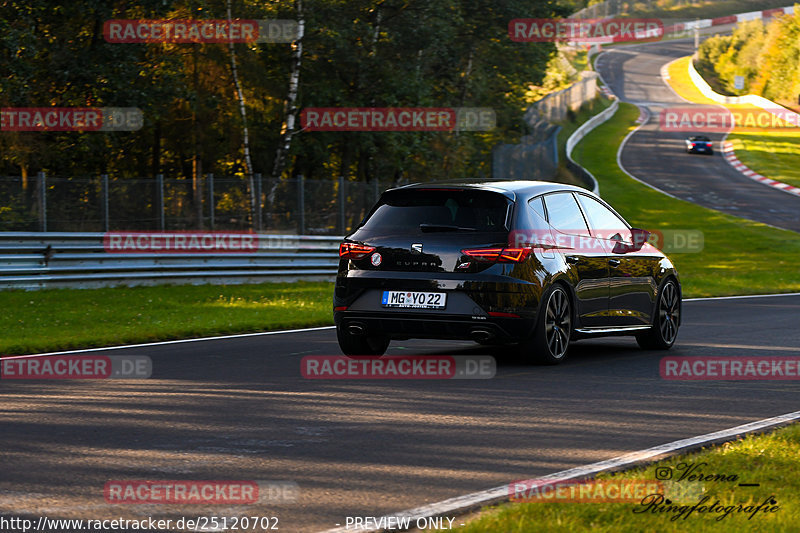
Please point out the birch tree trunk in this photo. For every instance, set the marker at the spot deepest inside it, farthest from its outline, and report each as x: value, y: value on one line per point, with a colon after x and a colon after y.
x: 246, y: 139
x: 290, y: 107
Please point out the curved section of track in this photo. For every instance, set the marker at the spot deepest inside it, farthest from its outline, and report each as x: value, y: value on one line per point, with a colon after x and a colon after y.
x: 659, y: 158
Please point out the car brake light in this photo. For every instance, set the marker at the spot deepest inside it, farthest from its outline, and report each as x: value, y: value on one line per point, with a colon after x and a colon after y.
x: 692, y: 145
x: 499, y: 255
x: 351, y: 250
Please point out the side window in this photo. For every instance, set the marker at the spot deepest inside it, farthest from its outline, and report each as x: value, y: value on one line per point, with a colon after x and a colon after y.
x: 605, y: 223
x: 538, y: 207
x: 564, y: 214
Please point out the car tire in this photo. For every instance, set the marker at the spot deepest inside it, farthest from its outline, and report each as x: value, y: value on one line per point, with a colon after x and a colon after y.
x: 550, y: 340
x: 666, y: 320
x: 363, y: 345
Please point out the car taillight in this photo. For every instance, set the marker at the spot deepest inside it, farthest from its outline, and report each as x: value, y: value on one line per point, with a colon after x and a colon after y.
x: 499, y: 255
x: 691, y: 144
x: 351, y: 250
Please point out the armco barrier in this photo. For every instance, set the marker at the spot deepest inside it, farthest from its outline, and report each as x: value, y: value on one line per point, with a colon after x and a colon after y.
x: 751, y: 99
x: 579, y: 134
x: 49, y: 260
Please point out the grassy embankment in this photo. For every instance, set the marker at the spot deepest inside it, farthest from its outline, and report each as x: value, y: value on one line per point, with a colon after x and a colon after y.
x: 770, y: 460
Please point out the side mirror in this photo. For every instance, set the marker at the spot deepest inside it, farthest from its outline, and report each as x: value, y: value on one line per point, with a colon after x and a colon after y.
x: 639, y: 237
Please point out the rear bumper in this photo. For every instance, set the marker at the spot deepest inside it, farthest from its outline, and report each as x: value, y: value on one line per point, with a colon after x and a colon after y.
x: 440, y: 326
x: 468, y: 314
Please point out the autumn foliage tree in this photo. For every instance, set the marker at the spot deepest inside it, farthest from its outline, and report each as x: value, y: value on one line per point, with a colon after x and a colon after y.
x: 355, y: 53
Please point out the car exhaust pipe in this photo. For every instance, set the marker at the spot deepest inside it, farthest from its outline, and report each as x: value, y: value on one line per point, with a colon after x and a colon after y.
x: 479, y: 334
x: 356, y: 329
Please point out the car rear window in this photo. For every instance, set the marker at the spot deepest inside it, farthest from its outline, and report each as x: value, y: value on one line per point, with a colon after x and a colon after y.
x: 403, y: 211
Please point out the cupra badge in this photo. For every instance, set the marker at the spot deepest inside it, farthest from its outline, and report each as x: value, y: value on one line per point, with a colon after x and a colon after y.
x: 417, y: 247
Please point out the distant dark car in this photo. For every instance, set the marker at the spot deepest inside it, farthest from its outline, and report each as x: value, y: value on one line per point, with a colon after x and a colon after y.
x: 699, y: 145
x: 529, y: 263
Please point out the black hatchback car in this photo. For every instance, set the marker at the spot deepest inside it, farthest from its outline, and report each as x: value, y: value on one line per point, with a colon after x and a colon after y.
x: 528, y: 263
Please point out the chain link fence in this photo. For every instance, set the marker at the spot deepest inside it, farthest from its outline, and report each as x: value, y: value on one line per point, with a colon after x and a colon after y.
x: 555, y: 107
x: 536, y: 156
x: 108, y: 203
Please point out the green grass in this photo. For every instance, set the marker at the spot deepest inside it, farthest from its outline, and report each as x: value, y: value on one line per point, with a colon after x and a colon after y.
x: 772, y: 153
x: 739, y: 256
x: 56, y: 319
x: 775, y: 154
x: 771, y: 460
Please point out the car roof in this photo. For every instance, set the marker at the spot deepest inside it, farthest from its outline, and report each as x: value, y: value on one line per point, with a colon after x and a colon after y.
x: 699, y: 138
x: 509, y: 188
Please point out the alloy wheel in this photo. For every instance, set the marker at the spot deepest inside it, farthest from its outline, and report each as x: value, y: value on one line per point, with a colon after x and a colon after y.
x: 669, y: 313
x: 558, y: 323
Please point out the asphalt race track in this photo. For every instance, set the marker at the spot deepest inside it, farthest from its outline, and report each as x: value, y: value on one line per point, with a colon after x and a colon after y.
x: 238, y: 409
x: 659, y: 157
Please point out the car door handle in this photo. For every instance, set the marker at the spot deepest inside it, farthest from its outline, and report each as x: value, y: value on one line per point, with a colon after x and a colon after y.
x: 572, y: 259
x: 613, y: 262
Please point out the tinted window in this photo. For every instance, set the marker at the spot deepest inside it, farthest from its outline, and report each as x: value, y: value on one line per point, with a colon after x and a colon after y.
x: 538, y: 207
x: 564, y: 215
x: 604, y: 222
x: 403, y: 211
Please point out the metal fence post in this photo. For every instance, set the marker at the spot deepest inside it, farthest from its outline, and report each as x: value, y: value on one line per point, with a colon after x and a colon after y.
x: 341, y: 206
x: 104, y: 200
x: 42, y: 200
x: 258, y: 185
x: 160, y: 200
x: 301, y: 205
x: 554, y: 144
x: 210, y: 186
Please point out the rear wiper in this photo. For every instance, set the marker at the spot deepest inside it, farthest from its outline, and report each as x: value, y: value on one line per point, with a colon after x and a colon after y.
x: 443, y: 227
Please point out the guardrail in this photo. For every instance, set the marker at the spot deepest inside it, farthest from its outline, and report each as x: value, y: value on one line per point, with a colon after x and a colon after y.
x: 579, y: 134
x: 80, y: 260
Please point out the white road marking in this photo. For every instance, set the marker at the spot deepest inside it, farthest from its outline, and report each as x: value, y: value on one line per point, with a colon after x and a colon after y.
x: 177, y: 341
x: 476, y: 500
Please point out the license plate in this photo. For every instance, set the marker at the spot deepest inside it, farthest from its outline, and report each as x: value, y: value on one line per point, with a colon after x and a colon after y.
x: 414, y: 299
